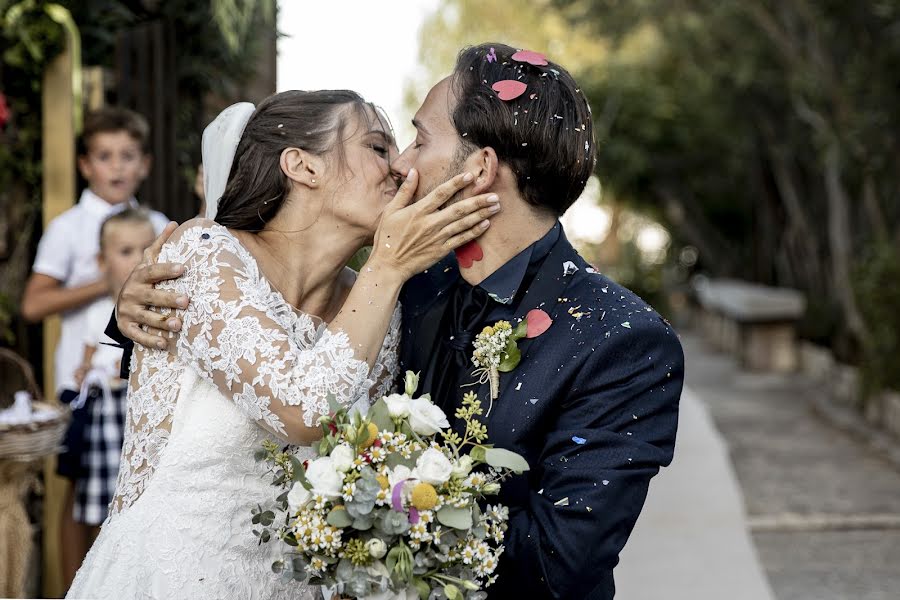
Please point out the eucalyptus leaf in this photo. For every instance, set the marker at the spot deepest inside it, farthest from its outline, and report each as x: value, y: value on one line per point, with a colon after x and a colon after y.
x: 477, y: 453
x: 379, y: 415
x: 458, y: 518
x: 511, y: 357
x: 338, y: 517
x: 422, y: 588
x: 452, y: 592
x: 299, y: 473
x: 504, y: 459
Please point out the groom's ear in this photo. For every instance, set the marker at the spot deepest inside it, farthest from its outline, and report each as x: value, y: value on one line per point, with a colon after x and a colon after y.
x: 483, y: 164
x: 301, y: 167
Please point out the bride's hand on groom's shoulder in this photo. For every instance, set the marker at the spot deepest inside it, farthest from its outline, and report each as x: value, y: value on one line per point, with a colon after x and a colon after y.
x: 139, y: 293
x: 413, y: 236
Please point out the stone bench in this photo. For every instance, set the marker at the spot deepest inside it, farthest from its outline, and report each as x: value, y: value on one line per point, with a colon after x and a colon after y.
x: 755, y: 322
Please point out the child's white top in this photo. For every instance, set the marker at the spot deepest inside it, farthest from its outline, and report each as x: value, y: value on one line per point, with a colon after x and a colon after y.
x: 68, y: 252
x: 105, y: 357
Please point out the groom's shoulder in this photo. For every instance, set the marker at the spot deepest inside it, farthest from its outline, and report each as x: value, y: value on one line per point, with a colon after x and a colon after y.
x: 611, y: 313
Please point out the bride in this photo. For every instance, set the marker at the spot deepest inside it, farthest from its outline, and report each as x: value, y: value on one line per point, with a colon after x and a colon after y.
x: 275, y: 326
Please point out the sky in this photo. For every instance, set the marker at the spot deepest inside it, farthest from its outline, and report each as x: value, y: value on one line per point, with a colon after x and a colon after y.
x: 369, y: 47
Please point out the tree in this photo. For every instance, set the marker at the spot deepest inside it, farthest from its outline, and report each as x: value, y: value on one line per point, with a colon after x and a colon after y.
x: 778, y: 127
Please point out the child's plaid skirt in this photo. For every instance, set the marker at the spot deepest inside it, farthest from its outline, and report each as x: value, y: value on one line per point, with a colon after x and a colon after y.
x: 103, y: 437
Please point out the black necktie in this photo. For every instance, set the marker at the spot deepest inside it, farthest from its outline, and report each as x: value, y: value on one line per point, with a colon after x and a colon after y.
x: 449, y: 364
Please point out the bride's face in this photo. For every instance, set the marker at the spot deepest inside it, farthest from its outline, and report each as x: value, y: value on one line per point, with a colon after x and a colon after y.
x: 365, y: 185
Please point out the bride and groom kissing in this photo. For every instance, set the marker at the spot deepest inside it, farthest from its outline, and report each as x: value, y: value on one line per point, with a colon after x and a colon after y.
x: 245, y: 324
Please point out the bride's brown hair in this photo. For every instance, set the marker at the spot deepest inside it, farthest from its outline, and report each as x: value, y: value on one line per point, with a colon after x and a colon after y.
x: 312, y: 121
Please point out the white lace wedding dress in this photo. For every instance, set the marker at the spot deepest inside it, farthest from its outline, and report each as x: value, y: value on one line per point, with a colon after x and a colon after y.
x: 247, y: 364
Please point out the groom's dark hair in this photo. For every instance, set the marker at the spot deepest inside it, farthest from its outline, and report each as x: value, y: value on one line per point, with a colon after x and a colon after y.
x: 545, y: 135
x: 315, y: 121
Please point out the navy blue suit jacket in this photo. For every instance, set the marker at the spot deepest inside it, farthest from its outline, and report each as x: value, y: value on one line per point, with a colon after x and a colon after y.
x: 592, y: 406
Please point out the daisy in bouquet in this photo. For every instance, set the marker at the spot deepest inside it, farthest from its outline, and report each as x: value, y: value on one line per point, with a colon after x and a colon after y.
x: 393, y: 507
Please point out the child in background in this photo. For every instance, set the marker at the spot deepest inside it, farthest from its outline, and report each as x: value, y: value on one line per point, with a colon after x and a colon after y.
x: 66, y: 280
x: 123, y: 238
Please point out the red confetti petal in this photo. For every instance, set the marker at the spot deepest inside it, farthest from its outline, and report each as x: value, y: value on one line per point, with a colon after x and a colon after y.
x: 532, y: 58
x: 467, y: 254
x: 509, y: 89
x: 538, y: 323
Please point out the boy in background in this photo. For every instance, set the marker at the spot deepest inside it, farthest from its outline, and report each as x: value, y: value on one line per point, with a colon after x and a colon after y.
x: 66, y: 280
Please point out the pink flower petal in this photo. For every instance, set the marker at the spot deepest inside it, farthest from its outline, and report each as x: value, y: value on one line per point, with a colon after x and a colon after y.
x: 538, y: 323
x: 529, y: 56
x: 509, y: 89
x: 469, y: 253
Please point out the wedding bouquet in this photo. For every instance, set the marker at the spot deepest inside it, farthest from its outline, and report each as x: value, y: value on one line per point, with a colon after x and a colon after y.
x: 387, y: 510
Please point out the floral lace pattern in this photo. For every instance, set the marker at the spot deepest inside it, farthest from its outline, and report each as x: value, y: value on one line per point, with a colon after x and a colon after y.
x: 278, y: 365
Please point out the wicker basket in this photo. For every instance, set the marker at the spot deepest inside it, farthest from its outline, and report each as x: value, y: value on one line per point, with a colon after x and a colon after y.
x: 29, y: 441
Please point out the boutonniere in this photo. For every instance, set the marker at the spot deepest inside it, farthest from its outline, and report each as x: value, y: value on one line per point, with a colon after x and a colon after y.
x: 497, y: 350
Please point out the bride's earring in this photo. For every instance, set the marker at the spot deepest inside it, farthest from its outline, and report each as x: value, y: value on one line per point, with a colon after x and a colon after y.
x: 313, y: 180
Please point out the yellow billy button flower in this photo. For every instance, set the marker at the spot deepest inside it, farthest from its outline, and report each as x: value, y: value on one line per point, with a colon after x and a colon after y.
x: 373, y: 435
x: 424, y: 496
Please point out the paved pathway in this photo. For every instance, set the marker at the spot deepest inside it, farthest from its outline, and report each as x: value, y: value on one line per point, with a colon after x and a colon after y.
x: 692, y: 540
x: 822, y: 507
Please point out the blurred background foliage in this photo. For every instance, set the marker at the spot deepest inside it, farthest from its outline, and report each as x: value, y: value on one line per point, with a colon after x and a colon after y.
x: 216, y: 50
x: 762, y: 135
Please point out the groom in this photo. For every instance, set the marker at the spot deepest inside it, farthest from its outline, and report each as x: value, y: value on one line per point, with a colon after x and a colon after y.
x: 593, y: 403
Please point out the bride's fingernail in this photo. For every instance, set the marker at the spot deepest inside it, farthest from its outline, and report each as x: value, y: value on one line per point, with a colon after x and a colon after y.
x: 177, y: 269
x: 161, y: 344
x: 468, y: 177
x: 493, y: 198
x: 494, y: 208
x: 172, y: 324
x: 485, y: 223
x: 181, y: 301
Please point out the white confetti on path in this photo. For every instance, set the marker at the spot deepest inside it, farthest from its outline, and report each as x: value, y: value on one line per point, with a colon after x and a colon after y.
x: 691, y: 541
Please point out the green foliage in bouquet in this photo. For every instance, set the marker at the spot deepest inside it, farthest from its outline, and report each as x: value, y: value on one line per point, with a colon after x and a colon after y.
x: 385, y: 506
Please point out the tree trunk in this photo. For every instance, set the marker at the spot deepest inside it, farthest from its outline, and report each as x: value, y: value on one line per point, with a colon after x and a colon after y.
x: 716, y: 254
x: 839, y: 240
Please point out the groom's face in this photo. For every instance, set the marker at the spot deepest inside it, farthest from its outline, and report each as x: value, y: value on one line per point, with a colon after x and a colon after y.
x: 434, y: 152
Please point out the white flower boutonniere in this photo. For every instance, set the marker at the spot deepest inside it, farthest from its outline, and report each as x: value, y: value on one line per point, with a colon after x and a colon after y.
x: 497, y: 350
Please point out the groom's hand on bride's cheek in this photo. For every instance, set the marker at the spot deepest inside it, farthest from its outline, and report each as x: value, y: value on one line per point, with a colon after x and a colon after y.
x: 138, y: 295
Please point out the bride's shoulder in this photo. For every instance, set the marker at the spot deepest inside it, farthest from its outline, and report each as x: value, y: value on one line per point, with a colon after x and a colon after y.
x: 198, y: 233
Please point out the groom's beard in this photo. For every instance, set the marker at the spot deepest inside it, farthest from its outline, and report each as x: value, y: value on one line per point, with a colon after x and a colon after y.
x: 456, y: 167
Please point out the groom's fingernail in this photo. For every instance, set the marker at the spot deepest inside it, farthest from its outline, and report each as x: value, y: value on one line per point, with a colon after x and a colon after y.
x: 468, y: 177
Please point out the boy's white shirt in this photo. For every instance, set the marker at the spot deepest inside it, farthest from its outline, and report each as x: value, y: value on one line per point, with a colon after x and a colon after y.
x: 68, y: 252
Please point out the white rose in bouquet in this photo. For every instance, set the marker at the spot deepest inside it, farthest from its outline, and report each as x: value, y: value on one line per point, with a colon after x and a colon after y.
x: 376, y: 547
x: 425, y: 418
x: 342, y: 456
x: 298, y: 497
x: 433, y: 467
x: 324, y: 478
x: 397, y: 405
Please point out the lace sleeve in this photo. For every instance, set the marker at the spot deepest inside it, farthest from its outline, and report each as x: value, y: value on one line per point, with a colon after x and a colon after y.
x: 387, y: 366
x: 242, y: 336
